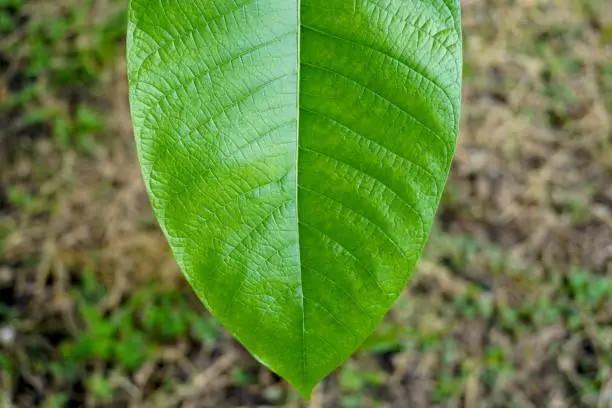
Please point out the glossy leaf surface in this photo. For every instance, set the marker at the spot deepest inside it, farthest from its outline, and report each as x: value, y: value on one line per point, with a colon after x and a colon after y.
x: 295, y: 154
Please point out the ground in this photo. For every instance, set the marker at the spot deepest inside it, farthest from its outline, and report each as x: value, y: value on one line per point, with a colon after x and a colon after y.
x: 511, y: 306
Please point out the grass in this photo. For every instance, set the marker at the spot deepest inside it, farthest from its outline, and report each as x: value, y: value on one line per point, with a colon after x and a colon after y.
x: 511, y: 305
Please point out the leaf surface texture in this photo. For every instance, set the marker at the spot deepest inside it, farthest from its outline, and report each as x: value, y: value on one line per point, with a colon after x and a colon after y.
x: 295, y: 154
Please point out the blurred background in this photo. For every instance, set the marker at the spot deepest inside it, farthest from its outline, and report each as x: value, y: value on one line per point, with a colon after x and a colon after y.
x: 511, y: 305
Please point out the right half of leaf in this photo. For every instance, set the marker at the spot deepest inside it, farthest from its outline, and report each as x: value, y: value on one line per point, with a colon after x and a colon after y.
x: 379, y: 111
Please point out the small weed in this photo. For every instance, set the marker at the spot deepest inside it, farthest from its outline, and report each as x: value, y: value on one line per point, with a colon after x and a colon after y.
x: 100, y: 388
x: 56, y: 401
x: 241, y: 377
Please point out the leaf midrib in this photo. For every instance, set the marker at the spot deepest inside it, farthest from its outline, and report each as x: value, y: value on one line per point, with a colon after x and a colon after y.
x: 297, y: 214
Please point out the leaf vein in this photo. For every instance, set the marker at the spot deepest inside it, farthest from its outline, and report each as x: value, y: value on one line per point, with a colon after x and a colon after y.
x: 335, y: 242
x: 393, y: 58
x: 365, y: 87
x: 378, y: 144
x: 376, y: 180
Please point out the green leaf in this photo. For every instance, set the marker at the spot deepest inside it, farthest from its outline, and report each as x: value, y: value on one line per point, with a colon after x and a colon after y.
x: 295, y: 155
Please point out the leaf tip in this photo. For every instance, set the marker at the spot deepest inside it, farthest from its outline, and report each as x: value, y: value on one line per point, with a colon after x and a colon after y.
x: 306, y: 387
x: 305, y: 391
